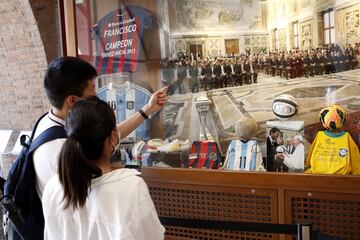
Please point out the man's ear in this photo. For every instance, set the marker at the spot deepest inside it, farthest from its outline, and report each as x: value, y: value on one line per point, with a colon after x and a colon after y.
x: 70, y: 100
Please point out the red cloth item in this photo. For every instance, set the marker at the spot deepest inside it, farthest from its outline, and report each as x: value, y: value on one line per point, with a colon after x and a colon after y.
x: 205, y: 154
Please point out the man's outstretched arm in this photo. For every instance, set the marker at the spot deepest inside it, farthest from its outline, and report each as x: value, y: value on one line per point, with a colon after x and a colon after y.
x: 156, y: 102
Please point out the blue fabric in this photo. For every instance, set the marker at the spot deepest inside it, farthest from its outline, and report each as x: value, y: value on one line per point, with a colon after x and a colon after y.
x: 101, y: 93
x: 142, y: 97
x: 231, y: 154
x: 127, y: 157
x: 120, y: 107
x: 243, y: 154
x: 253, y: 157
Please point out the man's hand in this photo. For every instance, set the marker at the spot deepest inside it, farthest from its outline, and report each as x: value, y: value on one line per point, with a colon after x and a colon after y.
x: 156, y: 102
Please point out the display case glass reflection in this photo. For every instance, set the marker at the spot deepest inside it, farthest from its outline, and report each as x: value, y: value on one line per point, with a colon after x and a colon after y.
x: 221, y: 60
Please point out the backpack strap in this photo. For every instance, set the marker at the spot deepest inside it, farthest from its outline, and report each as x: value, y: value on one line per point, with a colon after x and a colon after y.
x: 23, y: 137
x: 49, y: 134
x: 36, y: 124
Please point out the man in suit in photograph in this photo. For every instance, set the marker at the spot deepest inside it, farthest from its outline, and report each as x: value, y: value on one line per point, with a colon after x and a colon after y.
x: 271, y: 145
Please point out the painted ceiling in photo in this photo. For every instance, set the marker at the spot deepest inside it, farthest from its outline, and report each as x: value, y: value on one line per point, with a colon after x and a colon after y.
x: 211, y: 15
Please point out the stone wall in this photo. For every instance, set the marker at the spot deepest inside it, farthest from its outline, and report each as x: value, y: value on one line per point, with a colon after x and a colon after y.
x: 23, y: 59
x: 215, y: 45
x: 305, y: 35
x: 347, y: 26
x: 309, y: 15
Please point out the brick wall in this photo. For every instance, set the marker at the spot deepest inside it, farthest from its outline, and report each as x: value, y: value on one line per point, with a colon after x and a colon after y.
x: 23, y: 59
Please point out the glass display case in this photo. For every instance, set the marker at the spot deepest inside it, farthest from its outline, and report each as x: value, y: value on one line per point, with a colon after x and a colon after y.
x: 222, y: 61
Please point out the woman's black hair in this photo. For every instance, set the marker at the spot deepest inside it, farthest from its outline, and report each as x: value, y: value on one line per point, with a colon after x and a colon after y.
x: 88, y: 124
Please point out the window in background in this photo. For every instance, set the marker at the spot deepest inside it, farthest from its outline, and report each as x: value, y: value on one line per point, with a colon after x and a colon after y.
x: 329, y: 26
x: 296, y: 34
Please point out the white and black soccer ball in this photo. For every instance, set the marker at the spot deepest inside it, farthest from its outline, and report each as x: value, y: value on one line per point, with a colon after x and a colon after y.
x: 285, y: 106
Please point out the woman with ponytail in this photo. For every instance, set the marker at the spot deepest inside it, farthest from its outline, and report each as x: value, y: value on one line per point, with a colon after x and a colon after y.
x: 87, y: 200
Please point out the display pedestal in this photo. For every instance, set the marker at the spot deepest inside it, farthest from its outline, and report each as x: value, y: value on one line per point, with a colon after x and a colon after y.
x: 175, y: 159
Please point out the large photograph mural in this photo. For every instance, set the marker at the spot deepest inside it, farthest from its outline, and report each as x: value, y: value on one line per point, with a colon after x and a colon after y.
x: 236, y: 77
x: 223, y: 62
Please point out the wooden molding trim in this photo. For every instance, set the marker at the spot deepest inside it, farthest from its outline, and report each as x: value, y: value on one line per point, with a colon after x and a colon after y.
x: 70, y: 33
x: 269, y: 180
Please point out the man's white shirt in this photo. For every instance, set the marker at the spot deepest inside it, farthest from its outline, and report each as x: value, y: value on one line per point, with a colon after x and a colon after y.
x: 46, y: 157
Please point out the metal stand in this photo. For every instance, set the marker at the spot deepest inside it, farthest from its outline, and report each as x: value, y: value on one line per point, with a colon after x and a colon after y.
x: 202, y: 105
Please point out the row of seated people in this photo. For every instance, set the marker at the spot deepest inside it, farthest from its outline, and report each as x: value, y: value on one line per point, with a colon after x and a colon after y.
x: 304, y: 64
x: 219, y: 72
x: 211, y: 73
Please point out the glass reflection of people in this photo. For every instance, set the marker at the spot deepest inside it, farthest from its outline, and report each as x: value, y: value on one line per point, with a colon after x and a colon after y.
x: 87, y: 199
x: 271, y: 145
x: 295, y: 161
x: 279, y: 159
x: 290, y: 145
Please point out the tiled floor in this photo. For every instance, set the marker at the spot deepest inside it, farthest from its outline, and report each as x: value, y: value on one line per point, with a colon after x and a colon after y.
x: 255, y: 101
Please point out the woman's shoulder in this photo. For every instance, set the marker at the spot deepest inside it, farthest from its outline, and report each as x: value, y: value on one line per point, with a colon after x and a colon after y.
x: 117, y: 176
x: 121, y: 182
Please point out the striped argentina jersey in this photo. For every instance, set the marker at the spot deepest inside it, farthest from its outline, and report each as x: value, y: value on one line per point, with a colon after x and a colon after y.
x: 243, y: 156
x: 126, y: 100
x: 119, y: 39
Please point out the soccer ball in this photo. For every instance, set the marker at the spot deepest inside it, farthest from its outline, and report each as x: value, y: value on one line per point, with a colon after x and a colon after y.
x: 285, y: 106
x: 245, y: 128
x: 332, y: 117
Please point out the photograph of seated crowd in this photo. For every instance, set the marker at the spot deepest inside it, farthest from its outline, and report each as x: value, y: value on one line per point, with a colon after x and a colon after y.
x: 223, y: 61
x: 242, y: 69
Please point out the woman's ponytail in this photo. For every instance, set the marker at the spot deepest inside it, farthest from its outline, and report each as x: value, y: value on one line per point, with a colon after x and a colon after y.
x: 75, y: 173
x: 89, y: 123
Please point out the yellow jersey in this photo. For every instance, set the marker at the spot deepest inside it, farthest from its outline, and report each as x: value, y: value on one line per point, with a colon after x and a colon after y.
x: 333, y: 153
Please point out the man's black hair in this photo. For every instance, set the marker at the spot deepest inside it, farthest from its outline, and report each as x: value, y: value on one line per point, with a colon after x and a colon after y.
x: 274, y: 130
x: 67, y: 76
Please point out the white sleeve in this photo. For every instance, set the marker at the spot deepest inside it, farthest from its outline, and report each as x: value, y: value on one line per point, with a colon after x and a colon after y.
x: 259, y: 160
x: 295, y: 160
x: 288, y: 161
x: 145, y: 223
x: 150, y: 226
x: 227, y: 157
x: 46, y: 160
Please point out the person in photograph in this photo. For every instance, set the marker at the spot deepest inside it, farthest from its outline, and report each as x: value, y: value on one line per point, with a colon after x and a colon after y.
x: 295, y: 161
x: 279, y: 165
x: 271, y: 145
x: 290, y: 145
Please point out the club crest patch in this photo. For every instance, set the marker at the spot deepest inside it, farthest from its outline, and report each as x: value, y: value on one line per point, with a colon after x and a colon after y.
x: 130, y: 105
x: 212, y: 156
x: 343, y: 152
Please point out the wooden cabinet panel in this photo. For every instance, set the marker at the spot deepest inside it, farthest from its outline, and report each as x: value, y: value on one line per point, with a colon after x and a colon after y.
x: 331, y: 213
